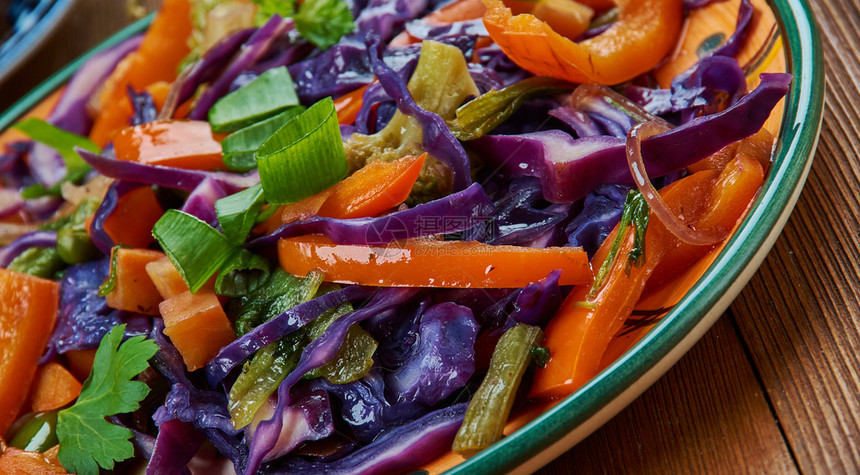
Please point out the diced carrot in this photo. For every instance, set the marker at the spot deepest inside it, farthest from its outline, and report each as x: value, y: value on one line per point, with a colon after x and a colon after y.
x: 134, y: 290
x: 28, y: 309
x: 157, y: 59
x: 22, y: 462
x: 172, y: 143
x: 55, y: 387
x: 81, y: 362
x: 348, y: 105
x: 197, y: 326
x: 168, y: 281
x: 132, y: 220
x: 450, y: 264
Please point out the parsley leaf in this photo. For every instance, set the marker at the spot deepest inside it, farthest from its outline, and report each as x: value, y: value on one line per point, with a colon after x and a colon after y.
x: 323, y: 22
x: 87, y: 440
x: 267, y: 8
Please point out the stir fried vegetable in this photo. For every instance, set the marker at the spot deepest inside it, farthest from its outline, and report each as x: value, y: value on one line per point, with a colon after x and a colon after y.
x: 334, y: 236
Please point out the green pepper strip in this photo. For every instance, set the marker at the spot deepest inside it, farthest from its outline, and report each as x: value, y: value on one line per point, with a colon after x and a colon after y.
x: 489, y: 409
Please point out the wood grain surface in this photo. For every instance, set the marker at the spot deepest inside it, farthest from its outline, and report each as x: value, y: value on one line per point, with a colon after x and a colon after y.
x: 774, y: 387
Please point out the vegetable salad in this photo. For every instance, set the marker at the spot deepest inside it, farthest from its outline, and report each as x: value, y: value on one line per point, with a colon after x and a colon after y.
x: 356, y: 235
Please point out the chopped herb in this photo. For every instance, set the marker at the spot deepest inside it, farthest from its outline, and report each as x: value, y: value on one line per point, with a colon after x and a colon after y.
x: 635, y: 207
x: 238, y: 212
x: 540, y: 355
x: 243, y: 273
x: 87, y: 440
x: 323, y: 22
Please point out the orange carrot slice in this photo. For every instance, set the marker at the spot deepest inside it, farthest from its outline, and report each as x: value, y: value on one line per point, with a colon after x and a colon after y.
x: 132, y: 220
x: 172, y: 143
x: 28, y: 308
x: 414, y: 263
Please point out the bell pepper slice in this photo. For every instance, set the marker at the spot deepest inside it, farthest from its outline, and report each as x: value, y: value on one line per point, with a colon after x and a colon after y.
x: 580, y: 332
x: 646, y: 31
x: 424, y: 263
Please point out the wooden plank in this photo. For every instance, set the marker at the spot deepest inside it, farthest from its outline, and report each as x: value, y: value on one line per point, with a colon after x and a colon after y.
x: 708, y: 414
x: 800, y: 315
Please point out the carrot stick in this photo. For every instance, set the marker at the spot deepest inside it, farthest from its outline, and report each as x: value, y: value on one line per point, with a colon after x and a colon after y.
x: 28, y: 308
x: 449, y: 264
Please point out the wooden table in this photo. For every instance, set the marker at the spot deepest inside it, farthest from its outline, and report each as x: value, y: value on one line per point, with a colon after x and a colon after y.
x: 774, y: 387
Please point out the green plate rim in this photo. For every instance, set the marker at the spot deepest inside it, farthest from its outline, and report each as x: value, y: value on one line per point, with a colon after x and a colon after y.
x: 794, y: 152
x: 797, y: 141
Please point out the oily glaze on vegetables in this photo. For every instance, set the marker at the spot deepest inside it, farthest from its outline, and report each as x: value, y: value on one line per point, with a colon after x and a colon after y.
x: 354, y: 236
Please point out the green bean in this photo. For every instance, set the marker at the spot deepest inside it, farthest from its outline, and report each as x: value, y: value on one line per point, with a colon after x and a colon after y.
x: 489, y: 409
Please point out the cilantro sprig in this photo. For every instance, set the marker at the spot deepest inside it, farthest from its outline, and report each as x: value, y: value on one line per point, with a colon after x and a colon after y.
x: 87, y: 440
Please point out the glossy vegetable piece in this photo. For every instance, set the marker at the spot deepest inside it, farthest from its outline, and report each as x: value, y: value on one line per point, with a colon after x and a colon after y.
x: 579, y: 333
x: 55, y: 387
x: 568, y: 18
x: 737, y: 186
x: 490, y: 406
x: 37, y: 435
x: 453, y: 264
x: 197, y: 326
x: 134, y: 290
x: 348, y: 105
x: 171, y: 143
x: 267, y: 95
x: 373, y: 189
x: 645, y: 32
x: 167, y: 279
x: 131, y: 221
x: 28, y: 307
x: 19, y: 461
x: 74, y: 244
x: 309, y: 417
x: 240, y: 146
x: 568, y: 369
x: 157, y: 59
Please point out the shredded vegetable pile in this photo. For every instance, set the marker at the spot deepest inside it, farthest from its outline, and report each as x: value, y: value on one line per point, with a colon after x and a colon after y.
x: 355, y: 235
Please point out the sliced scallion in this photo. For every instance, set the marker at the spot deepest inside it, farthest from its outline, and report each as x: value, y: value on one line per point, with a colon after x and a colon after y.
x: 242, y: 274
x: 265, y: 96
x: 239, y: 147
x: 238, y: 212
x: 196, y: 249
x: 303, y: 157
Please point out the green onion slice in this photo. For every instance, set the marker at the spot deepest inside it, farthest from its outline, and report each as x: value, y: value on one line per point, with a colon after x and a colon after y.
x: 265, y: 96
x: 239, y: 147
x: 238, y: 212
x: 242, y: 274
x: 195, y: 248
x: 303, y: 157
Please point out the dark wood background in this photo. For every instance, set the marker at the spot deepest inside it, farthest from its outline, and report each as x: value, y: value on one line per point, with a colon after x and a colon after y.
x: 774, y: 386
